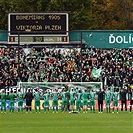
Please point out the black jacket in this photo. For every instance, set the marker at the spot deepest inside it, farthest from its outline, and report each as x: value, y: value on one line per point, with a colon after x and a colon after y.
x: 100, y: 95
x: 123, y: 95
x: 29, y: 96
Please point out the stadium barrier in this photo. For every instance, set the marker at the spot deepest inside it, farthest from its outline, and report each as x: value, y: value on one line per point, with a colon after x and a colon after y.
x: 15, y: 104
x: 59, y: 104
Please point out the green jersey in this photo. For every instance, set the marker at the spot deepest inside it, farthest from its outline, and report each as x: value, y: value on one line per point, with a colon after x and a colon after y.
x: 115, y: 96
x: 3, y: 97
x: 55, y: 95
x: 78, y: 96
x: 72, y: 95
x: 112, y: 88
x: 37, y: 96
x: 107, y: 95
x: 64, y: 95
x: 20, y: 96
x: 12, y: 97
x: 46, y: 96
x: 85, y: 95
x: 92, y: 95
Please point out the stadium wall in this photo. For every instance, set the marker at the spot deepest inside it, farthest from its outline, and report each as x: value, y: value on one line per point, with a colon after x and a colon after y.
x: 104, y: 39
x: 98, y: 38
x: 59, y: 103
x: 3, y: 36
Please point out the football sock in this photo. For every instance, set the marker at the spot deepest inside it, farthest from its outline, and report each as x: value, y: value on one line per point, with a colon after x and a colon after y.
x: 56, y: 108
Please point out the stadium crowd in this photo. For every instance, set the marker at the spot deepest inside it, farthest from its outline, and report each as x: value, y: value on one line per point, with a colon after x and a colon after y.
x: 66, y: 65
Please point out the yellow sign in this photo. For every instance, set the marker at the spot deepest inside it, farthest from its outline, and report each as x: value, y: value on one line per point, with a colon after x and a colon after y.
x: 41, y: 103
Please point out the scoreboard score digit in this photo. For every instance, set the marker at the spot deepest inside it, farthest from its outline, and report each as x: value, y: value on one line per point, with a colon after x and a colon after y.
x: 38, y: 27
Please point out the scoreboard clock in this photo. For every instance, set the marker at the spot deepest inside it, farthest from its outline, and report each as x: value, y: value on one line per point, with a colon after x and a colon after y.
x: 42, y: 28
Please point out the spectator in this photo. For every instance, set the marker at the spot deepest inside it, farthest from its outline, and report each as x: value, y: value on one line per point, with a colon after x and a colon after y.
x: 28, y: 96
x: 123, y: 99
x: 66, y: 65
x: 100, y: 100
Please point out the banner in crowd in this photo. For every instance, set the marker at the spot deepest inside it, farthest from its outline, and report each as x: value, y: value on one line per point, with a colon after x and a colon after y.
x: 8, y: 89
x: 96, y: 72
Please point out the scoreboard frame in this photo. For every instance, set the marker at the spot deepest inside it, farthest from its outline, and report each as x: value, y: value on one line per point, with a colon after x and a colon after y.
x: 47, y: 22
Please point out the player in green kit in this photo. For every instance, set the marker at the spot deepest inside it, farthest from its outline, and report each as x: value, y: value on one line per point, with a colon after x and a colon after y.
x: 3, y: 101
x: 64, y: 96
x: 107, y: 99
x: 12, y: 100
x: 92, y: 100
x: 37, y: 101
x: 55, y: 96
x: 78, y: 100
x: 46, y: 97
x: 115, y: 100
x: 85, y: 96
x: 72, y: 99
x: 20, y: 101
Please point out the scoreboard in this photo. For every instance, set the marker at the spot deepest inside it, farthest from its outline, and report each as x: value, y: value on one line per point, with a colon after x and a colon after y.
x: 38, y: 39
x: 34, y: 28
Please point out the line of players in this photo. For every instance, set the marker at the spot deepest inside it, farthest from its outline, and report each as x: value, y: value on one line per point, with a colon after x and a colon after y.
x: 69, y: 100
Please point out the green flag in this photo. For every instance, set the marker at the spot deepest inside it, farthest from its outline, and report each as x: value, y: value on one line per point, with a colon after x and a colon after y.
x: 96, y: 72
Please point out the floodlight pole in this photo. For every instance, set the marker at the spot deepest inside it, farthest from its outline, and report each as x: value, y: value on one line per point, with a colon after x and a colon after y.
x: 18, y: 56
x: 81, y: 57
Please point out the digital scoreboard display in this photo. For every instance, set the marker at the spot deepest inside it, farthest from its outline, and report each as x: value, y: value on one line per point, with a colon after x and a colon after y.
x: 38, y: 39
x: 38, y: 27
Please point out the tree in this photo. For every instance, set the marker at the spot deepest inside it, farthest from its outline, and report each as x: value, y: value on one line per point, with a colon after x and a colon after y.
x: 112, y: 14
x: 79, y: 12
x: 8, y: 6
x: 83, y: 14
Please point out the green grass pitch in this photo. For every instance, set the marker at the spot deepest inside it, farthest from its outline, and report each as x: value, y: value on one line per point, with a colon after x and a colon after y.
x: 66, y: 123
